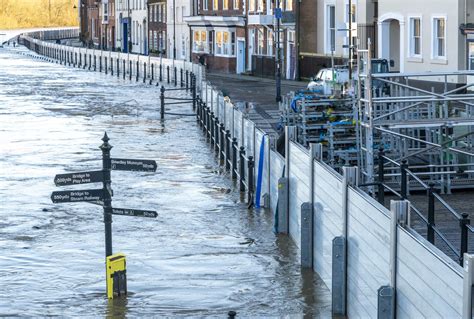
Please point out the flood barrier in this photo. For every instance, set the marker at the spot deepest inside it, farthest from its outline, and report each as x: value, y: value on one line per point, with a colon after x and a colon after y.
x: 372, y: 261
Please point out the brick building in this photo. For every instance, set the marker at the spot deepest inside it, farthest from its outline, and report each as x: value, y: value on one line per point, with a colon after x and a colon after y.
x: 157, y: 27
x: 92, y: 35
x: 218, y: 35
x: 107, y: 20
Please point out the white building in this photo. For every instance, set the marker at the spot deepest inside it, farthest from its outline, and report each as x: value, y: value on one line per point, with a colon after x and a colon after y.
x: 426, y: 35
x: 132, y: 26
x: 178, y: 42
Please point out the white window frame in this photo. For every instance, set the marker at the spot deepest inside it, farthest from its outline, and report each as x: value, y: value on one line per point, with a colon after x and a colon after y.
x: 270, y: 42
x: 230, y: 45
x: 225, y: 4
x: 289, y: 3
x: 205, y: 5
x: 411, y: 42
x: 206, y: 42
x: 327, y: 30
x: 434, y: 38
x: 215, y: 4
x: 236, y: 4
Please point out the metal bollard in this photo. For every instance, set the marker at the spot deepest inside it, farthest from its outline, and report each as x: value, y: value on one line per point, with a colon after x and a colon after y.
x: 100, y: 64
x: 227, y: 150
x: 144, y: 72
x: 168, y: 73
x: 234, y: 158
x: 403, y: 180
x: 162, y: 103
x: 152, y: 73
x: 124, y: 69
x: 105, y: 62
x: 250, y: 182
x: 175, y: 76
x: 194, y: 94
x: 161, y: 73
x: 464, y: 223
x: 211, y: 128
x: 242, y: 168
x: 187, y: 80
x: 222, y: 142
x: 181, y: 78
x: 95, y: 63
x: 130, y: 71
x: 138, y: 71
x: 431, y: 214
x: 381, y: 177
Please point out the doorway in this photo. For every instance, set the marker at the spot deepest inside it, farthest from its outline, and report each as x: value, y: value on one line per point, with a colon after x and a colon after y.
x: 240, y: 56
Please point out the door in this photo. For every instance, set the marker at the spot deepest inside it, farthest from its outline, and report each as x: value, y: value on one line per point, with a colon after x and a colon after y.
x: 125, y: 38
x: 240, y: 56
x: 113, y: 39
x: 470, y: 64
x: 290, y: 56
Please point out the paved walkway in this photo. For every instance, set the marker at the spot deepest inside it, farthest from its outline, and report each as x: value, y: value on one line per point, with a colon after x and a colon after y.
x: 259, y: 93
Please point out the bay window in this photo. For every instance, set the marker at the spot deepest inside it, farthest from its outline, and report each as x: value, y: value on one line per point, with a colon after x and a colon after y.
x: 225, y: 43
x: 200, y: 41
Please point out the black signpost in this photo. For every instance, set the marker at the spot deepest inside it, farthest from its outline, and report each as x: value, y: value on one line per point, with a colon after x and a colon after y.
x: 103, y: 196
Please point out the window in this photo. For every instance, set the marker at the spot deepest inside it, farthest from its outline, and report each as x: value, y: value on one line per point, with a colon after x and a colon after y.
x: 215, y: 5
x: 415, y: 37
x: 260, y: 6
x: 252, y: 5
x: 226, y: 4
x: 260, y: 41
x: 205, y: 4
x: 236, y: 4
x: 155, y: 40
x: 439, y: 38
x: 330, y: 28
x: 269, y: 42
x: 200, y: 41
x: 288, y: 5
x: 183, y: 46
x: 225, y: 43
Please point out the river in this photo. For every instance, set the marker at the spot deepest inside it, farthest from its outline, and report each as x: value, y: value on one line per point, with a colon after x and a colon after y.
x: 204, y: 255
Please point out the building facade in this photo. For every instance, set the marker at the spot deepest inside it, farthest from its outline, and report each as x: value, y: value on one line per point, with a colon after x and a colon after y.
x: 131, y: 19
x: 218, y: 35
x: 107, y: 19
x: 178, y: 31
x: 92, y: 35
x: 157, y: 37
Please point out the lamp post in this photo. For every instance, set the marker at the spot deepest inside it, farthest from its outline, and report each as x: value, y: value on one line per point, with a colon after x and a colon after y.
x: 278, y: 53
x: 174, y: 29
x: 350, y: 41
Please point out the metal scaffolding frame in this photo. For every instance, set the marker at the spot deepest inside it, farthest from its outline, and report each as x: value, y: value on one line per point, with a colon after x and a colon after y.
x: 433, y: 131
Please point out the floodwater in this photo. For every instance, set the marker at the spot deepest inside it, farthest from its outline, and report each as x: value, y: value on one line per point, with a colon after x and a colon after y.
x: 204, y: 255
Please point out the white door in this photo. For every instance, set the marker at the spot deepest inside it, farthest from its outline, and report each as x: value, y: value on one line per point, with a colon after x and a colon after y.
x: 470, y: 65
x: 240, y: 56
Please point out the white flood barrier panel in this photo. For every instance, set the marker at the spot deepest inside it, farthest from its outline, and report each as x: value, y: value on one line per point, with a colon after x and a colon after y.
x: 327, y: 218
x: 238, y: 124
x: 368, y: 253
x: 428, y: 283
x: 299, y: 188
x: 277, y: 165
x: 261, y: 148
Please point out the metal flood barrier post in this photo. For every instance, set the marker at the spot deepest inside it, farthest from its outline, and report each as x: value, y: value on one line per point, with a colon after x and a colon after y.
x: 306, y: 235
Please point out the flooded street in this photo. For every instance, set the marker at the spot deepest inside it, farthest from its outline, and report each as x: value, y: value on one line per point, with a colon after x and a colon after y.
x: 204, y: 255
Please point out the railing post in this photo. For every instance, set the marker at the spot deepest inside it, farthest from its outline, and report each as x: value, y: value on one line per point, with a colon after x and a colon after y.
x: 138, y: 71
x: 431, y: 214
x: 181, y: 78
x: 124, y: 71
x: 168, y: 72
x: 161, y: 73
x: 250, y: 181
x: 234, y: 158
x: 463, y: 223
x: 216, y: 134
x: 118, y: 67
x: 403, y: 180
x: 242, y: 168
x: 211, y: 128
x: 100, y: 64
x: 193, y: 80
x: 175, y: 72
x: 144, y: 72
x: 105, y: 62
x: 227, y: 149
x: 130, y: 70
x: 162, y: 103
x: 187, y: 80
x: 222, y: 141
x: 152, y: 73
x: 381, y: 177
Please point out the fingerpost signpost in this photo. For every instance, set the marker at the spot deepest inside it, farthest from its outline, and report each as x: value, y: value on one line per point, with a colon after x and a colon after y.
x: 115, y: 264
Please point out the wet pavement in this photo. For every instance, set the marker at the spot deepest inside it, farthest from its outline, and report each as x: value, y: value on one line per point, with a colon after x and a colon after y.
x: 204, y: 255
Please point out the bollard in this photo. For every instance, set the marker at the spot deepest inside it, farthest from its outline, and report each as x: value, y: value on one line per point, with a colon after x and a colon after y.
x: 181, y: 78
x: 175, y: 72
x: 232, y: 314
x: 95, y: 63
x: 194, y: 93
x: 90, y: 61
x: 106, y: 168
x: 234, y: 158
x: 144, y: 72
x: 152, y: 73
x: 242, y: 168
x: 100, y: 64
x: 138, y: 71
x: 403, y: 180
x: 168, y: 73
x: 187, y: 80
x: 222, y: 142
x: 118, y: 67
x: 431, y: 214
x: 105, y: 63
x: 227, y: 150
x: 162, y: 103
x: 381, y: 188
x: 211, y: 128
x: 161, y: 73
x: 251, y: 165
x: 130, y: 71
x: 464, y: 223
x: 216, y: 135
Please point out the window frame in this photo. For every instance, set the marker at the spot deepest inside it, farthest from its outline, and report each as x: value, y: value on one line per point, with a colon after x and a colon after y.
x: 411, y: 37
x: 435, y: 38
x: 205, y: 5
x: 206, y: 41
x: 329, y: 32
x: 226, y: 46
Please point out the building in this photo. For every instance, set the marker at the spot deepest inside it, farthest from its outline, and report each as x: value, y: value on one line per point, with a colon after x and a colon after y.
x: 424, y: 35
x: 157, y: 27
x: 107, y: 18
x: 132, y: 32
x: 218, y: 35
x: 93, y: 32
x: 83, y: 21
x: 178, y: 31
x: 323, y: 35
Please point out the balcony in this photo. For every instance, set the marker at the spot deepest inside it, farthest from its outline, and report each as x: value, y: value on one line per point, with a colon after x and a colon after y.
x: 260, y: 19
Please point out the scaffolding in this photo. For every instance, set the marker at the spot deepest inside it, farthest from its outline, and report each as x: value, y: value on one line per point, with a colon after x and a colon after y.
x: 431, y: 131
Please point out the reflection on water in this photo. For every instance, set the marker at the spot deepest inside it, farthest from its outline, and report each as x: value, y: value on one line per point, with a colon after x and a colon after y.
x: 204, y: 255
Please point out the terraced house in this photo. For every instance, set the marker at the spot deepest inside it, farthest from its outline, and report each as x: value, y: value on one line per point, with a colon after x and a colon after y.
x: 218, y: 35
x: 157, y: 27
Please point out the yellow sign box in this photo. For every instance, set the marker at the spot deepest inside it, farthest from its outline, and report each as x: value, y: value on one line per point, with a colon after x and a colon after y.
x: 116, y: 271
